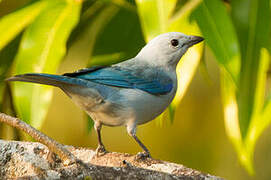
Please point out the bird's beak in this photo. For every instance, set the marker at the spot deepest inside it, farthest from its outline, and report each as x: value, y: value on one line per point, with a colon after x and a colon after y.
x: 194, y: 40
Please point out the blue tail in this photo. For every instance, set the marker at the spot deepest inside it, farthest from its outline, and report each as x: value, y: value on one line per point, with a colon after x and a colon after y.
x: 48, y: 79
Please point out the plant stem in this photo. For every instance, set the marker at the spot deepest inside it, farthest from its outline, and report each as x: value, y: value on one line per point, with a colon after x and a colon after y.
x: 54, y: 146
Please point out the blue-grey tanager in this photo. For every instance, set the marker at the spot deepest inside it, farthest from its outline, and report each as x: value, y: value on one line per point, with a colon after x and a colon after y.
x: 129, y: 93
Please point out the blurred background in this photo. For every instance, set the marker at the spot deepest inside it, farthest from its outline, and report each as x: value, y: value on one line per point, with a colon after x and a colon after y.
x: 218, y: 122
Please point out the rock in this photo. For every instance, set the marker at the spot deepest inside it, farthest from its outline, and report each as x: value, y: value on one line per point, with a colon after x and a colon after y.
x: 32, y: 160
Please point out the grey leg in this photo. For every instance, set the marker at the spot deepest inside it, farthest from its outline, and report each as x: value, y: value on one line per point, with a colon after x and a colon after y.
x: 100, y: 148
x: 146, y: 152
x: 132, y: 132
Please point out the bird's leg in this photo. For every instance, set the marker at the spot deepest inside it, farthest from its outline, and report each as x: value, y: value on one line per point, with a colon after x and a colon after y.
x: 146, y: 152
x: 141, y: 155
x: 100, y: 149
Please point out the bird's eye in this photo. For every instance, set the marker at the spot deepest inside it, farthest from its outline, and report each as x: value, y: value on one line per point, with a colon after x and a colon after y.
x: 174, y: 42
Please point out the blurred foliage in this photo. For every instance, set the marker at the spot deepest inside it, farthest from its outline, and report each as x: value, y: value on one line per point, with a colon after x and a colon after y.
x: 36, y: 36
x: 238, y: 39
x: 49, y: 32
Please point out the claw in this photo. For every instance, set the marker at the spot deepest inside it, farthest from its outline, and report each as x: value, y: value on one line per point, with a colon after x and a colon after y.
x: 142, y: 155
x: 100, y: 151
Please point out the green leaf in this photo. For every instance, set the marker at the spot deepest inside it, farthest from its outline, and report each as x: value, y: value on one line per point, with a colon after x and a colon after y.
x: 244, y: 98
x: 106, y: 59
x: 91, y: 11
x: 261, y: 116
x: 90, y: 123
x: 98, y: 35
x: 1, y: 95
x: 42, y: 47
x: 259, y: 121
x: 91, y: 29
x: 231, y: 120
x: 154, y: 16
x: 123, y: 4
x: 12, y: 24
x: 129, y: 41
x: 218, y: 31
x: 261, y: 82
x: 7, y: 55
x: 252, y: 21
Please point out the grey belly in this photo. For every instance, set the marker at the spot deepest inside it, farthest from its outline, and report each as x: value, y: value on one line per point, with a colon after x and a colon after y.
x: 119, y: 106
x: 132, y: 105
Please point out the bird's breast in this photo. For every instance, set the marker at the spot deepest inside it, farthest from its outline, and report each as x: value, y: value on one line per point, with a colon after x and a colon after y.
x: 142, y: 106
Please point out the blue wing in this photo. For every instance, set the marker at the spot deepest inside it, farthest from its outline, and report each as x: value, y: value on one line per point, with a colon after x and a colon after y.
x: 119, y: 77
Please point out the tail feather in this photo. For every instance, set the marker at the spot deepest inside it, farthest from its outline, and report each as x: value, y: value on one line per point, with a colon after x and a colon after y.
x: 48, y: 79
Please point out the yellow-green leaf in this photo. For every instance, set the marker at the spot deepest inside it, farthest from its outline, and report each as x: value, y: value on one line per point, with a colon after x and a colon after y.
x: 252, y: 23
x: 154, y: 16
x: 42, y: 47
x: 261, y: 116
x: 217, y: 28
x: 231, y: 119
x: 12, y: 24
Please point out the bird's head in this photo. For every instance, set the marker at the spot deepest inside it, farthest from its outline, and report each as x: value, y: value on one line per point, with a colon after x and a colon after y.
x: 167, y: 49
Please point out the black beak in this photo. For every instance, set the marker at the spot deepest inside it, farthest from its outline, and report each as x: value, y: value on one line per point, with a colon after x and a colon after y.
x: 194, y: 40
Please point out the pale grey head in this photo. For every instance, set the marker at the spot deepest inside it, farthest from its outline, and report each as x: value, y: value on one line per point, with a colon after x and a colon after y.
x: 167, y: 49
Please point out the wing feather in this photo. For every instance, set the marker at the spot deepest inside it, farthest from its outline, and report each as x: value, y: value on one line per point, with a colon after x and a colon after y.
x: 120, y: 77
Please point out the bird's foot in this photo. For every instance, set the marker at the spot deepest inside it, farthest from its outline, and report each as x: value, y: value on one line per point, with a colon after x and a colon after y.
x: 142, y: 155
x: 100, y: 151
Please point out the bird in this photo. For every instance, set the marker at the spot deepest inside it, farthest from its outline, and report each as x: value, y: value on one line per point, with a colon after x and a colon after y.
x: 129, y: 93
